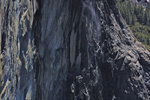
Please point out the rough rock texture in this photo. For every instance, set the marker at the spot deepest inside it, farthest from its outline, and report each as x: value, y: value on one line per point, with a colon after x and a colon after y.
x: 70, y: 50
x: 16, y: 20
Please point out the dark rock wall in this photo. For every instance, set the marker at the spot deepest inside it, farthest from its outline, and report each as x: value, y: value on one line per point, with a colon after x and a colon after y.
x: 70, y: 50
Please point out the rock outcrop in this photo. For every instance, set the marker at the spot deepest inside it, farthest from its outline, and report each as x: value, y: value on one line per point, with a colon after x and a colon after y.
x: 70, y: 50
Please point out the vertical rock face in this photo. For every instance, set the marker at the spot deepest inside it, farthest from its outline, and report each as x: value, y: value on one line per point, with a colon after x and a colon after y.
x: 17, y: 48
x: 70, y: 50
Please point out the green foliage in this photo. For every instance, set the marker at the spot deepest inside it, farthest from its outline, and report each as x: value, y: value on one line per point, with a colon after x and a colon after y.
x: 138, y: 19
x: 127, y: 11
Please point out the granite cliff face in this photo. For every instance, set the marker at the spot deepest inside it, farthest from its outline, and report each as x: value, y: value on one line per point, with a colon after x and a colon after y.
x: 70, y: 50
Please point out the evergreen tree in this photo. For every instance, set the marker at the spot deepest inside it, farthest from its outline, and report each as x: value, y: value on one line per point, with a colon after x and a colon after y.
x: 138, y: 18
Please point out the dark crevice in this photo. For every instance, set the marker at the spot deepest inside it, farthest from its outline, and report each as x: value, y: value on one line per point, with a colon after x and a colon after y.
x: 36, y: 30
x: 3, y: 41
x: 5, y: 30
x: 107, y: 81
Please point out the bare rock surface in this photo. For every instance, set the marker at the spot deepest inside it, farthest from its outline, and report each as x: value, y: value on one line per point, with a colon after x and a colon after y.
x: 70, y: 50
